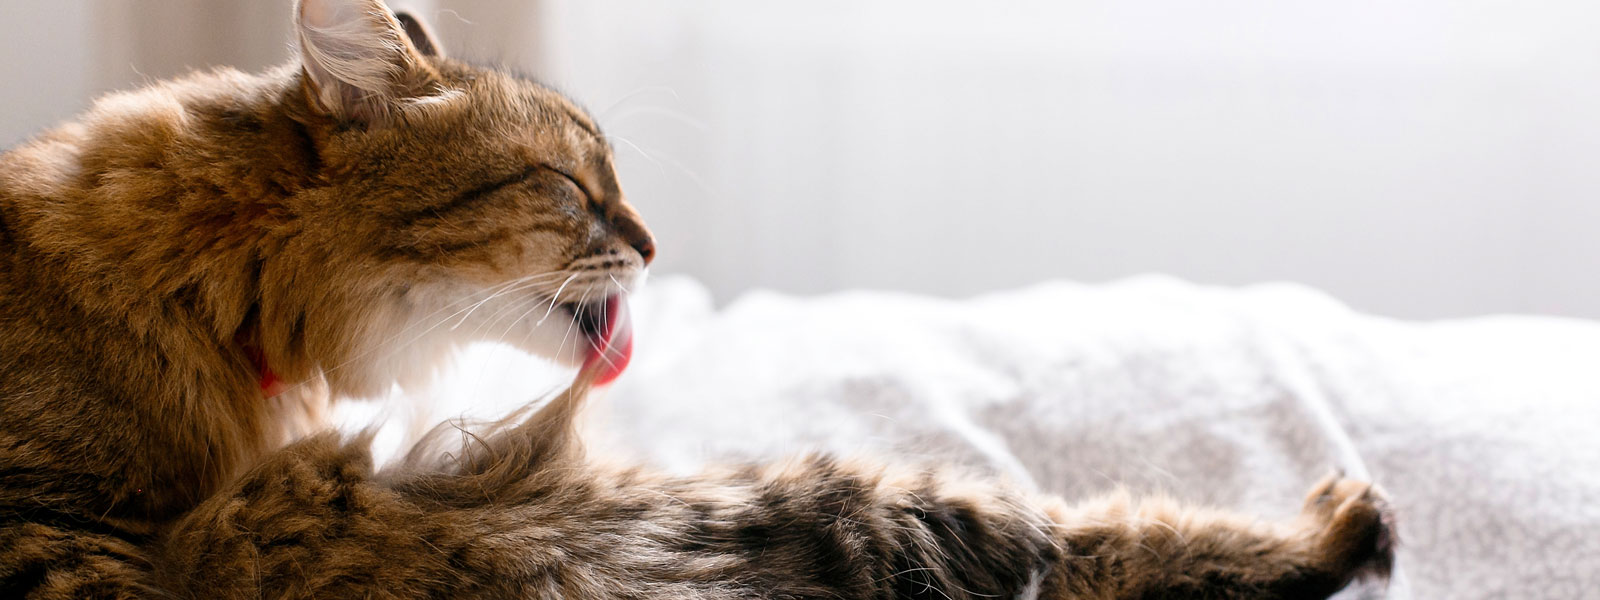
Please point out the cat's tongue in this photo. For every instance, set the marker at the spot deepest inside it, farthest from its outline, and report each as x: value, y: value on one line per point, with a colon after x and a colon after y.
x: 610, y: 340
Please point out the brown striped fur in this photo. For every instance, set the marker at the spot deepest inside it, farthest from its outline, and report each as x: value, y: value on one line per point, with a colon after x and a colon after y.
x: 342, y: 223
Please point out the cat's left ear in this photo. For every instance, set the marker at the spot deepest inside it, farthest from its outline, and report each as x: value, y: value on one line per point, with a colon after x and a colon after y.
x: 420, y: 34
x: 359, y: 60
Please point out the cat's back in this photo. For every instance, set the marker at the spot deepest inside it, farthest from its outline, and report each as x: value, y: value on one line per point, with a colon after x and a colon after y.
x: 142, y: 138
x: 78, y: 194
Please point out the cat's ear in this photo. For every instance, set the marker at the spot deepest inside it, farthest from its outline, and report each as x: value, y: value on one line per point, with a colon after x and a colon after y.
x: 359, y: 60
x: 421, y: 35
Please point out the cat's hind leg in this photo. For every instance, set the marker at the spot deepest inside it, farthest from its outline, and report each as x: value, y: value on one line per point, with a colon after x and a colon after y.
x: 1159, y: 549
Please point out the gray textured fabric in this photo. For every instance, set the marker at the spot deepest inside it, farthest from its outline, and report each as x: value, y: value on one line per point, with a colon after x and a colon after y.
x: 1482, y: 430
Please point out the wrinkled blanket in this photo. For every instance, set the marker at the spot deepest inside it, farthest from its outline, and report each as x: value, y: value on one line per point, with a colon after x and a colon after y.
x: 1482, y: 430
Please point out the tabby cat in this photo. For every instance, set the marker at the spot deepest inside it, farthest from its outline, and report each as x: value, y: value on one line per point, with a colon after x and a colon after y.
x: 190, y: 270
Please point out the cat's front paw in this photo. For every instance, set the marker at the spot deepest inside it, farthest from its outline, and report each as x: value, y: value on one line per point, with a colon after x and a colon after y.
x: 1351, y: 528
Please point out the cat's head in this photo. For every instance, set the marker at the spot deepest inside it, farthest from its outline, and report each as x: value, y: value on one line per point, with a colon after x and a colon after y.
x: 451, y: 203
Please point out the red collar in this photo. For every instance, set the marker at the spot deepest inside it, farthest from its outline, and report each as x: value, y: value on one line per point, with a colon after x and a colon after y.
x: 271, y: 385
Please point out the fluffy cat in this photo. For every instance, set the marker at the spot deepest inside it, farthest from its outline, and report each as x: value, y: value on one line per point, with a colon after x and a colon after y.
x: 189, y: 271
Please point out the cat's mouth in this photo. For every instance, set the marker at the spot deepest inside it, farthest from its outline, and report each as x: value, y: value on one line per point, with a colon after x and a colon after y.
x: 607, y: 329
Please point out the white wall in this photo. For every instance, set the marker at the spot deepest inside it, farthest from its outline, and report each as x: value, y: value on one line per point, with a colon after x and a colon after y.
x: 1421, y: 158
x: 59, y: 56
x: 47, y: 52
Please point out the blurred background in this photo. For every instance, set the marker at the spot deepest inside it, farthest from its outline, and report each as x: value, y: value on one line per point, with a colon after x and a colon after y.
x: 1419, y: 158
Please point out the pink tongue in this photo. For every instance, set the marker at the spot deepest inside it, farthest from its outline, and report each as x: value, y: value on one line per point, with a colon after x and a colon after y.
x: 610, y: 350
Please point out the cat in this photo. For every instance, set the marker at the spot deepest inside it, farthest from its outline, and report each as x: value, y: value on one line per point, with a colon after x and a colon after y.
x: 191, y: 271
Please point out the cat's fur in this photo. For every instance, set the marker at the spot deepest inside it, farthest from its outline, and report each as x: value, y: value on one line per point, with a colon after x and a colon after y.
x: 188, y: 271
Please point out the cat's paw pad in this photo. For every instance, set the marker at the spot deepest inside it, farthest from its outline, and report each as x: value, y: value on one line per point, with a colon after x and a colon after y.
x: 1351, y: 527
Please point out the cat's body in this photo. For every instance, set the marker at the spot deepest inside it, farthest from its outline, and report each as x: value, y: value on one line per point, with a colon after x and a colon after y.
x: 129, y: 243
x: 188, y: 272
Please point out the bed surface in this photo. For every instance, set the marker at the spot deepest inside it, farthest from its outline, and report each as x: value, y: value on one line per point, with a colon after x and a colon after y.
x: 1482, y: 430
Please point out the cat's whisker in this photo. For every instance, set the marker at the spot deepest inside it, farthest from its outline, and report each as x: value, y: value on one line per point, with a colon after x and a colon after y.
x: 557, y: 296
x: 522, y: 310
x: 480, y: 303
x: 393, y: 348
x: 546, y: 317
x: 524, y: 314
x: 603, y: 348
x: 554, y: 300
x: 659, y: 166
x: 624, y: 288
x: 576, y: 315
x: 495, y: 316
x: 605, y: 352
x: 516, y: 305
x: 649, y: 89
x: 661, y: 111
x: 687, y: 172
x: 493, y: 292
x: 490, y: 290
x: 453, y: 13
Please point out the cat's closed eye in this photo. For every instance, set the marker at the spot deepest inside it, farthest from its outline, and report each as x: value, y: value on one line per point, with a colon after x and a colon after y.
x: 583, y: 192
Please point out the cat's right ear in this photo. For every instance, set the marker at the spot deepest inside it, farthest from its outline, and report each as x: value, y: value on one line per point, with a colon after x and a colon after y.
x: 358, y: 59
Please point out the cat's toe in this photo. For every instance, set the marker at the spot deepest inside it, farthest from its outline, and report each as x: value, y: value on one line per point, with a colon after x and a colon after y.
x: 1322, y: 490
x: 1352, y: 528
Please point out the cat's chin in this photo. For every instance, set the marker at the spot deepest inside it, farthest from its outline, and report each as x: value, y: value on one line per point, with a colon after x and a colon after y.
x: 609, y: 332
x: 595, y: 336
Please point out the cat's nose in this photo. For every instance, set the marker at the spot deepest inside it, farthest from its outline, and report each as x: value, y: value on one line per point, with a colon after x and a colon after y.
x: 636, y: 235
x: 630, y: 227
x: 646, y: 248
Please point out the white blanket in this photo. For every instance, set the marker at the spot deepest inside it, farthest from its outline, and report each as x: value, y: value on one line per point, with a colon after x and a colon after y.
x: 1482, y: 430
